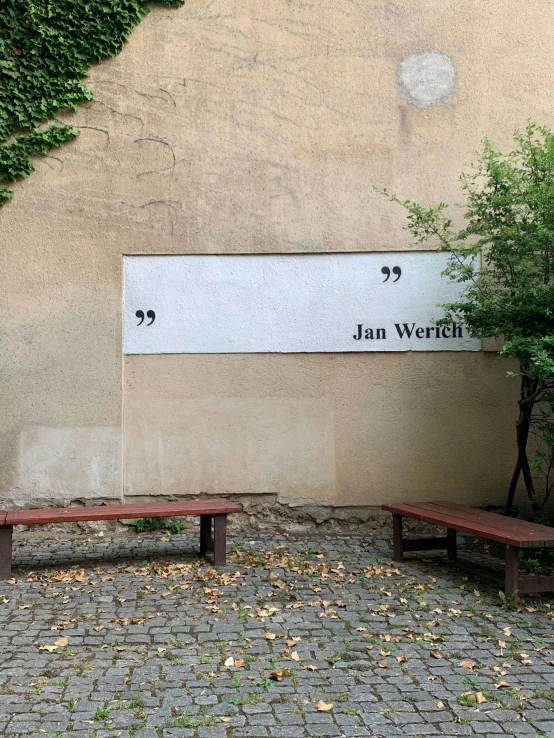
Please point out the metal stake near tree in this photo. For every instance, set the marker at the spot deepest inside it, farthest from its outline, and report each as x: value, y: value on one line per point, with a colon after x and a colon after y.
x: 509, y: 221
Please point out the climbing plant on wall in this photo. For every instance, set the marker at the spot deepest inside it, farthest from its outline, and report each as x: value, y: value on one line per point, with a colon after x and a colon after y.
x: 46, y: 49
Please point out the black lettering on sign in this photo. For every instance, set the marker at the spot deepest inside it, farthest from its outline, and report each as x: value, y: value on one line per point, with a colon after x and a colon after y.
x: 395, y: 270
x: 150, y: 314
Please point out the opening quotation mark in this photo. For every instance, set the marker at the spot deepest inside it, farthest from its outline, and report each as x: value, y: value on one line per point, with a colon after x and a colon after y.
x: 150, y: 314
x: 395, y: 270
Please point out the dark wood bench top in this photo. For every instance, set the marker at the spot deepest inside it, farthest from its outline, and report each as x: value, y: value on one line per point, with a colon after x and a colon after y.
x: 479, y: 523
x: 119, y: 512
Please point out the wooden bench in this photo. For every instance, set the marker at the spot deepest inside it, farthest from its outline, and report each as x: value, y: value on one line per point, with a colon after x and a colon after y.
x: 515, y: 534
x: 213, y: 522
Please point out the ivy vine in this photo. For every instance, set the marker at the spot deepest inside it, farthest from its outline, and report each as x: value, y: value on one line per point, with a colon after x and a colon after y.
x: 46, y: 49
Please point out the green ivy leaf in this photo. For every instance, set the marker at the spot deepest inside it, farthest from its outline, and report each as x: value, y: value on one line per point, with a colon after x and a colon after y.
x: 46, y: 48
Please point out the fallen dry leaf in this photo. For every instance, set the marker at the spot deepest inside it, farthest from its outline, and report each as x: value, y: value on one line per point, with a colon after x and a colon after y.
x: 225, y: 719
x: 61, y: 642
x: 480, y: 698
x: 501, y: 685
x: 467, y: 664
x: 436, y: 654
x: 270, y: 636
x: 324, y: 706
x: 382, y: 664
x: 294, y: 656
x: 278, y: 676
x: 239, y: 663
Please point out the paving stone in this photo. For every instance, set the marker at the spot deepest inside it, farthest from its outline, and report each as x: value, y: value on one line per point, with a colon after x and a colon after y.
x: 150, y: 627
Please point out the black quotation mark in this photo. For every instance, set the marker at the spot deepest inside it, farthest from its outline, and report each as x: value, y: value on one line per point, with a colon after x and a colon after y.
x: 395, y: 270
x: 150, y: 314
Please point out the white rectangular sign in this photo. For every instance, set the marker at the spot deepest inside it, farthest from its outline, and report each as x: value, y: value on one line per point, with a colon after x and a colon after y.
x: 207, y: 304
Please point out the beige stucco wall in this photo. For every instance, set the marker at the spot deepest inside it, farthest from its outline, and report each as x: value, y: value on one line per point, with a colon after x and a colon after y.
x: 257, y: 127
x: 340, y: 429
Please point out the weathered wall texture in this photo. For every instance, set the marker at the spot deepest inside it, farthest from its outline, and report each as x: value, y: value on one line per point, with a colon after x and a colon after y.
x: 250, y: 126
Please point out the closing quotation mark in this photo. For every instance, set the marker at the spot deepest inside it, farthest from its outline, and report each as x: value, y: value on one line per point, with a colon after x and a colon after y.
x: 395, y: 270
x: 150, y: 314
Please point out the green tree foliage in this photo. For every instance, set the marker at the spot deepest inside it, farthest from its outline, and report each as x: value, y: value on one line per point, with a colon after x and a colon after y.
x: 509, y: 227
x: 46, y: 49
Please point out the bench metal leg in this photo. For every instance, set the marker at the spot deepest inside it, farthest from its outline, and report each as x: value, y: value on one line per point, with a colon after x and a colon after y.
x: 452, y: 544
x: 220, y: 539
x: 401, y: 545
x: 398, y: 541
x: 206, y: 541
x: 6, y: 532
x: 512, y: 574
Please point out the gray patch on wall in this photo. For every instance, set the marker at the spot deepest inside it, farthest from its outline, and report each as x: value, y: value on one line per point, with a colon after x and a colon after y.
x: 61, y: 465
x: 426, y: 79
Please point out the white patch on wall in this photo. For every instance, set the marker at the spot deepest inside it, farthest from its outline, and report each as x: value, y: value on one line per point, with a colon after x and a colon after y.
x: 426, y: 78
x: 207, y: 304
x: 63, y: 464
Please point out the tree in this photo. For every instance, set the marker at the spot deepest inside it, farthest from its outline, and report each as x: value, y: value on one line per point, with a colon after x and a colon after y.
x: 509, y: 227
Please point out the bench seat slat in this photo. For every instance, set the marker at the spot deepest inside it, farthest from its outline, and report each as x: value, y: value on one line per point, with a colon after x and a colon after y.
x: 511, y: 526
x: 533, y: 536
x: 121, y: 512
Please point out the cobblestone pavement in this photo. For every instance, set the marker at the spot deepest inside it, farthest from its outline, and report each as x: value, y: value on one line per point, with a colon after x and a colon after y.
x: 318, y: 637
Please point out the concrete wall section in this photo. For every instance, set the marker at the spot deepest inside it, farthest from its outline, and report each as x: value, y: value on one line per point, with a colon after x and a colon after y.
x: 245, y: 126
x: 335, y: 430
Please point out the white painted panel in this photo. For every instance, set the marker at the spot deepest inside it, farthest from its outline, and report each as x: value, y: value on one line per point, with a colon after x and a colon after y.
x: 202, y: 304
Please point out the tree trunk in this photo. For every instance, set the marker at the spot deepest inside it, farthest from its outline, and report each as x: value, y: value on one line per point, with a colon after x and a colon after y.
x: 513, y: 486
x: 523, y: 426
x: 522, y: 431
